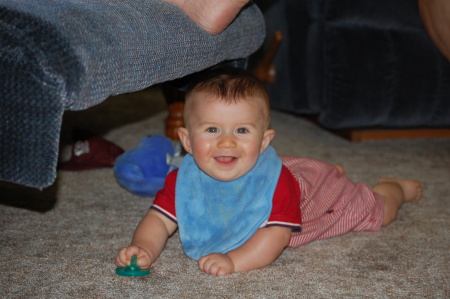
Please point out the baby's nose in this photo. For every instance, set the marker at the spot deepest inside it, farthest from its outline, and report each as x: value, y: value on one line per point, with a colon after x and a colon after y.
x: 227, y: 141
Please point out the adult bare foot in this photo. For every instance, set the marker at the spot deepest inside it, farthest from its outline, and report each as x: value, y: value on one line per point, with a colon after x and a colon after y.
x: 412, y: 189
x: 211, y: 15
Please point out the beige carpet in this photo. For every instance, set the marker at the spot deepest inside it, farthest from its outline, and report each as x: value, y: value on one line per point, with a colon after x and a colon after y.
x: 61, y: 243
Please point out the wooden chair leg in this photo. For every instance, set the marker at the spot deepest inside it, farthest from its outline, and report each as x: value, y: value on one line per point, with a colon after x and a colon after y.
x: 265, y: 70
x: 175, y: 99
x: 174, y: 120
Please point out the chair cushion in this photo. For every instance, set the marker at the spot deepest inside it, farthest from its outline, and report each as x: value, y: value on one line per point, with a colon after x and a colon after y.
x: 70, y: 55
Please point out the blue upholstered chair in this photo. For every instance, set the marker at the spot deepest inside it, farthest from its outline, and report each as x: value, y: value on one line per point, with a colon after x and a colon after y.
x: 360, y: 65
x: 58, y: 55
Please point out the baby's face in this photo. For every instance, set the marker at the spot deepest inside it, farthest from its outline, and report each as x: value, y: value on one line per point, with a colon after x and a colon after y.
x: 225, y: 138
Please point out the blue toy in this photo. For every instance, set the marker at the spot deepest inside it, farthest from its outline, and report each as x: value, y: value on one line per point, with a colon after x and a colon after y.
x: 142, y: 170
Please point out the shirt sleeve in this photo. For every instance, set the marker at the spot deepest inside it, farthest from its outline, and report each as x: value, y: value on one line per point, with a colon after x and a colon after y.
x: 286, y: 202
x: 165, y: 198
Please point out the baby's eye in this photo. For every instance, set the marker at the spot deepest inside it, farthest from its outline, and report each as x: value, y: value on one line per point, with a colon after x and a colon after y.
x: 212, y: 130
x: 241, y: 130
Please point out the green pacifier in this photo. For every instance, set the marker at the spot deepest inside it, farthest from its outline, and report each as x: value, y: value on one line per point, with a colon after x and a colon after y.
x: 132, y: 269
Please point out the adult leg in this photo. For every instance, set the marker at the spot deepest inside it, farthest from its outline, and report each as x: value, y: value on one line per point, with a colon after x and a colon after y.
x: 436, y: 18
x: 211, y: 15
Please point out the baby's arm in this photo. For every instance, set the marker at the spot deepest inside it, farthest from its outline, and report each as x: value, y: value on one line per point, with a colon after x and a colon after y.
x: 148, y: 240
x: 259, y: 251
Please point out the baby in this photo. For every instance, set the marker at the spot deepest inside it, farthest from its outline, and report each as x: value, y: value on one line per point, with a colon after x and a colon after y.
x: 236, y: 203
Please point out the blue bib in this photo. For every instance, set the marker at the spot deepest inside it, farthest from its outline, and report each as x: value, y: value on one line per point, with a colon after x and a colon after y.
x: 215, y: 216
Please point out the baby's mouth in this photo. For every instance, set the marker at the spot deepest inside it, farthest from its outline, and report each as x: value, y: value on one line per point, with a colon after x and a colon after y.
x: 225, y: 160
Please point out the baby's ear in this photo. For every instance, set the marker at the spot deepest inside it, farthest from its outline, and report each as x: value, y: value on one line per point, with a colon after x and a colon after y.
x: 183, y: 133
x: 267, y: 138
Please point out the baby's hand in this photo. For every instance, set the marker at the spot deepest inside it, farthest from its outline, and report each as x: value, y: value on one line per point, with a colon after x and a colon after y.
x: 124, y: 255
x: 216, y: 264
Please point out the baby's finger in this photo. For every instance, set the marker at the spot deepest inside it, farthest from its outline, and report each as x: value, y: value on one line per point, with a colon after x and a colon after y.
x: 130, y: 251
x: 201, y: 263
x: 214, y: 269
x: 121, y: 258
x: 206, y: 264
x: 144, y: 260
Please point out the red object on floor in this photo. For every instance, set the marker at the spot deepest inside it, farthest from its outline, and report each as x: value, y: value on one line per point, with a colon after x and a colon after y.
x: 94, y: 152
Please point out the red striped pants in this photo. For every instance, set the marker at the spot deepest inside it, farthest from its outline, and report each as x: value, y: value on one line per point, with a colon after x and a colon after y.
x: 331, y: 204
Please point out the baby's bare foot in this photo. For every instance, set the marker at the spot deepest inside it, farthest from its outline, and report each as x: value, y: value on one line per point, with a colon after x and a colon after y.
x: 211, y: 15
x: 411, y: 189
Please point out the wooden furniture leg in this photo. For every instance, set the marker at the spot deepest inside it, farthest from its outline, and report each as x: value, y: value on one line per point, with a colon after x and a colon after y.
x: 174, y: 120
x: 265, y: 70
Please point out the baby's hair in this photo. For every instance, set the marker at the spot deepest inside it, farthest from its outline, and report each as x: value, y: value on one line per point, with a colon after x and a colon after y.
x: 228, y: 83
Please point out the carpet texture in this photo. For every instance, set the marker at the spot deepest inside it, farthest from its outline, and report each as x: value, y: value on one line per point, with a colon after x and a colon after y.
x: 60, y: 243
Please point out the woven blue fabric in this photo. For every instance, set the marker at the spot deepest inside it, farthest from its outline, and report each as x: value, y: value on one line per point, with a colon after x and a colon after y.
x: 70, y: 55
